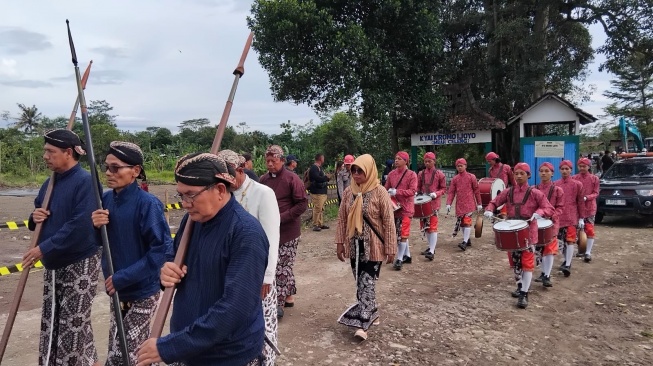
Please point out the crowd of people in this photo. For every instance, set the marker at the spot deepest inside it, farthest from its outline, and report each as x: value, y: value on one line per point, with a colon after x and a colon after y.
x: 244, y: 230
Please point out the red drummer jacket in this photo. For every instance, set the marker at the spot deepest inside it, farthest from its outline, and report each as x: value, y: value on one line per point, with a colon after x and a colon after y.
x: 535, y: 203
x: 590, y: 190
x: 432, y: 181
x: 406, y: 189
x: 504, y: 172
x: 555, y: 195
x: 574, y: 204
x: 464, y: 188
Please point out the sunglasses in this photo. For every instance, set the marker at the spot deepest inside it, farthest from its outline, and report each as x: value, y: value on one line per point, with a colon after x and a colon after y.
x: 190, y: 198
x: 114, y: 168
x: 357, y: 170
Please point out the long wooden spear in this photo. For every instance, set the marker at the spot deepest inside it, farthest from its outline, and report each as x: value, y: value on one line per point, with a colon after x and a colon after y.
x: 98, y: 200
x: 18, y: 295
x: 166, y: 299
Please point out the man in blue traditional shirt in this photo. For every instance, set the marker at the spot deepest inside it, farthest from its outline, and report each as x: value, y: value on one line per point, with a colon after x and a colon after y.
x: 139, y: 237
x: 69, y: 252
x: 217, y: 318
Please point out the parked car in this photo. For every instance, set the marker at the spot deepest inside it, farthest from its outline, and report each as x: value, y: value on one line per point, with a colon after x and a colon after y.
x: 627, y: 188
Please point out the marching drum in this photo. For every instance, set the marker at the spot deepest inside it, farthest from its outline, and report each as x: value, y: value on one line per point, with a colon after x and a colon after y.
x: 395, y: 204
x: 490, y: 188
x: 423, y: 207
x: 545, y: 231
x: 511, y: 235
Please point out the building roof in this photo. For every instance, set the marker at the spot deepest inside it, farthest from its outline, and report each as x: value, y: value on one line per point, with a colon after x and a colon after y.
x: 584, y: 117
x: 464, y: 114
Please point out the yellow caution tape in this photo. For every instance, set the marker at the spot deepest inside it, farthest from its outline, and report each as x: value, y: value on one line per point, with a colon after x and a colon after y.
x: 13, y: 225
x: 4, y: 271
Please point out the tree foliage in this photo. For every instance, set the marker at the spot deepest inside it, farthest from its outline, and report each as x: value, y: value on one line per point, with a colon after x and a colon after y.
x: 633, y: 91
x: 379, y: 56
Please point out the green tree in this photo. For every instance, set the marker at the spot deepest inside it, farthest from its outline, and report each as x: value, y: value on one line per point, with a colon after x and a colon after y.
x: 28, y: 119
x: 633, y: 91
x: 340, y: 136
x: 48, y: 123
x: 381, y: 55
x: 194, y: 124
x: 99, y: 112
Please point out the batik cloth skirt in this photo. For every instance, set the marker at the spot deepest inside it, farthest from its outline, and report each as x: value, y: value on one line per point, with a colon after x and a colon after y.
x: 136, y: 318
x: 66, y: 331
x: 285, y: 277
x: 271, y: 323
x: 364, y: 312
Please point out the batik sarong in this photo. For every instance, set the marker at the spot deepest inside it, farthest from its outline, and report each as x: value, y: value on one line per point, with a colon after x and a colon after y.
x: 137, y: 318
x: 271, y: 323
x: 285, y: 277
x: 363, y: 313
x: 66, y: 331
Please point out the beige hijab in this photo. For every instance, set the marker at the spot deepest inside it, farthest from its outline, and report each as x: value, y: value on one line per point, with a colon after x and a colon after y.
x: 355, y: 218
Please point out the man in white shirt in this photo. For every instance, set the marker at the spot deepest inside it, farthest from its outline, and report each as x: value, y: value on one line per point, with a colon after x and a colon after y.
x: 260, y: 201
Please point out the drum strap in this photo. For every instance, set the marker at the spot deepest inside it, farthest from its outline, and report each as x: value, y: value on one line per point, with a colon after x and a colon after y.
x: 428, y: 187
x: 548, y: 196
x: 511, y: 198
x: 402, y: 178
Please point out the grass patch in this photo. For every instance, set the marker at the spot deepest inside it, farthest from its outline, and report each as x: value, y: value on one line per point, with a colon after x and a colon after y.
x: 164, y: 177
x: 647, y: 334
x: 14, y: 181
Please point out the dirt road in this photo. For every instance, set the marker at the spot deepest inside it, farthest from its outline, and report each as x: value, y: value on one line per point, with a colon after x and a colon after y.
x: 455, y: 310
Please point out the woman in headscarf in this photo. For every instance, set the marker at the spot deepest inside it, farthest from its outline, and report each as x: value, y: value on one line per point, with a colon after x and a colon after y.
x: 366, y: 235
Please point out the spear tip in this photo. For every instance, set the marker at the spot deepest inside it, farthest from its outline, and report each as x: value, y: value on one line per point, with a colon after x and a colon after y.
x: 67, y: 22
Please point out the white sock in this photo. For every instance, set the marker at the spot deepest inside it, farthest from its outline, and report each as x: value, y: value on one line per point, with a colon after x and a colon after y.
x: 402, y: 249
x: 547, y: 264
x: 407, y: 250
x: 433, y: 241
x: 590, y: 243
x: 466, y: 232
x: 569, y: 254
x: 526, y: 278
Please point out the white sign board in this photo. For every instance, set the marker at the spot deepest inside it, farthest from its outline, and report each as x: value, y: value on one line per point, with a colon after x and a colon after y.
x: 468, y: 137
x: 549, y: 149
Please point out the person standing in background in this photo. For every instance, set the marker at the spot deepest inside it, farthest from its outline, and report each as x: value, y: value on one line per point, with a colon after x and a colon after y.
x: 343, y: 176
x: 318, y: 190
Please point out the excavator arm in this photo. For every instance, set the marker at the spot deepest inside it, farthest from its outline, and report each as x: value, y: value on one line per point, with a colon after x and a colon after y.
x: 627, y: 128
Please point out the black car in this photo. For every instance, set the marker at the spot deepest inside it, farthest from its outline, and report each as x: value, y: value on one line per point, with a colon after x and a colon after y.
x: 627, y: 188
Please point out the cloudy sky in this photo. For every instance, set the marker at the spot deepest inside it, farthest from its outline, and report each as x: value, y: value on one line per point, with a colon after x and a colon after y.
x: 156, y: 62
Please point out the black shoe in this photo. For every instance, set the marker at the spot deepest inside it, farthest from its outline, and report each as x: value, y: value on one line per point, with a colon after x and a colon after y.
x: 407, y: 259
x: 566, y: 270
x: 397, y: 265
x: 324, y: 227
x: 516, y: 293
x: 580, y: 255
x: 429, y: 256
x: 425, y: 252
x: 522, y: 303
x: 469, y: 242
x: 462, y: 246
x: 546, y: 281
x: 588, y: 258
x: 279, y: 312
x: 540, y: 279
x: 317, y: 228
x: 562, y: 267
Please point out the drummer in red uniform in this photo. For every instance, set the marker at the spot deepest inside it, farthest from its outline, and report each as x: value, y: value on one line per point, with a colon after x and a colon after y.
x: 464, y: 188
x: 555, y: 195
x: 501, y: 171
x: 402, y: 185
x: 432, y: 182
x: 590, y: 184
x: 572, y: 215
x: 523, y: 203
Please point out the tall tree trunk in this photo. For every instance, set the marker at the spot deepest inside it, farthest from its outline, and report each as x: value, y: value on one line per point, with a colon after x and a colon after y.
x: 394, y: 141
x: 539, y: 34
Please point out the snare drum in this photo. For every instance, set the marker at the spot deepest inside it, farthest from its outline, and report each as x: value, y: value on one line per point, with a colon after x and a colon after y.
x: 490, y: 189
x: 395, y: 204
x: 511, y: 235
x: 423, y: 208
x: 545, y: 232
